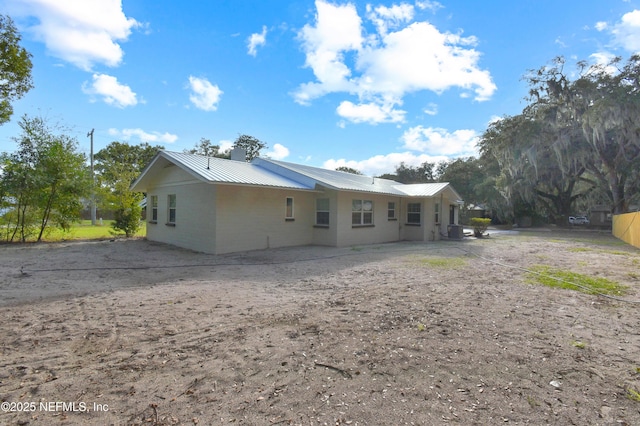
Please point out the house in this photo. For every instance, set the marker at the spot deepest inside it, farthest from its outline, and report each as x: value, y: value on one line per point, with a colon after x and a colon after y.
x: 219, y: 206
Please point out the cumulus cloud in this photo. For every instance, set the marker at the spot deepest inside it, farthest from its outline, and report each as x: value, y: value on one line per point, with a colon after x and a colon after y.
x: 255, y: 40
x: 626, y: 33
x: 153, y: 137
x: 111, y: 91
x: 204, y: 95
x: 381, y: 164
x: 279, y: 152
x: 429, y: 5
x: 440, y: 142
x: 372, y: 112
x: 82, y: 32
x: 389, y: 17
x: 402, y: 56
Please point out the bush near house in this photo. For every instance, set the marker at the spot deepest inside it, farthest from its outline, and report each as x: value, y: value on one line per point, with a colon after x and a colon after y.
x: 479, y: 225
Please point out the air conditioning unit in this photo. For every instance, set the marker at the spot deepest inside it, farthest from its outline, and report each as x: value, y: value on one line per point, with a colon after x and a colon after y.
x: 455, y: 232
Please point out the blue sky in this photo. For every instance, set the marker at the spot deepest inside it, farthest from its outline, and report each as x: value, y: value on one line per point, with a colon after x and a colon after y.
x: 324, y: 83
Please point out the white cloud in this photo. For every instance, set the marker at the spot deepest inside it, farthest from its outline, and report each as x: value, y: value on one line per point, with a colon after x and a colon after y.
x: 601, y: 26
x: 429, y: 5
x: 337, y: 30
x: 431, y: 109
x: 204, y: 96
x: 279, y: 152
x: 255, y: 40
x: 439, y: 142
x: 82, y: 32
x: 370, y: 113
x: 627, y: 32
x: 381, y: 164
x: 111, y: 91
x: 389, y: 17
x: 225, y: 145
x: 401, y: 57
x: 153, y: 137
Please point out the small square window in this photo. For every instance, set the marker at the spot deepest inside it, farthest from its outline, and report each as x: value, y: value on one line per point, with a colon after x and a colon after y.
x: 362, y: 212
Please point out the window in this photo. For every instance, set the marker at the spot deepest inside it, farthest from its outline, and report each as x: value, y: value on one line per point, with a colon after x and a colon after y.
x: 362, y: 212
x: 391, y: 211
x: 322, y: 211
x: 171, y: 214
x: 289, y: 208
x: 437, y: 215
x: 154, y: 208
x: 413, y: 213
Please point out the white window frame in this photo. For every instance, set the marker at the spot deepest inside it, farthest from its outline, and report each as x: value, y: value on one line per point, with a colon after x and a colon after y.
x: 289, y: 212
x: 171, y: 219
x: 325, y: 210
x: 362, y: 212
x: 153, y: 211
x: 418, y: 212
x: 391, y: 210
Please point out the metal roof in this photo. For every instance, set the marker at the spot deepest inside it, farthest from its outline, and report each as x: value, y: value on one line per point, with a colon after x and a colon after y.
x: 332, y: 178
x: 422, y: 189
x: 281, y: 174
x: 210, y: 169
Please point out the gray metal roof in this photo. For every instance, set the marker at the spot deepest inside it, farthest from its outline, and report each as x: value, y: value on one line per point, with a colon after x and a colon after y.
x: 281, y: 174
x: 422, y: 189
x: 221, y: 170
x: 351, y: 182
x: 332, y: 178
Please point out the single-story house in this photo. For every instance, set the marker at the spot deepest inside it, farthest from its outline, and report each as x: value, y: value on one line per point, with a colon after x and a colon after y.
x: 219, y: 206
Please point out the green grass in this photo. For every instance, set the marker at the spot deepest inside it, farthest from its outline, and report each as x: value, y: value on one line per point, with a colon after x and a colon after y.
x: 443, y: 262
x: 588, y: 249
x: 85, y: 231
x: 558, y: 278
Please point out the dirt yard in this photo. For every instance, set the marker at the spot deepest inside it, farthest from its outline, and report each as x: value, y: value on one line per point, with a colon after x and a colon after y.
x: 134, y: 332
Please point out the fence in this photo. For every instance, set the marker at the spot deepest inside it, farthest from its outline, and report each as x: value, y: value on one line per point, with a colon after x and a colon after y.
x: 627, y: 228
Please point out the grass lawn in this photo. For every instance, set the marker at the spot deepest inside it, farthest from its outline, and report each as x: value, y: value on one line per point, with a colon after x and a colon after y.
x: 85, y: 231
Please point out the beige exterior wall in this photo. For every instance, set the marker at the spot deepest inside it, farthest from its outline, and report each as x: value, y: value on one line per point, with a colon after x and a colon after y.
x: 326, y: 236
x: 382, y: 231
x: 195, y: 207
x: 250, y: 218
x: 220, y: 218
x: 429, y: 229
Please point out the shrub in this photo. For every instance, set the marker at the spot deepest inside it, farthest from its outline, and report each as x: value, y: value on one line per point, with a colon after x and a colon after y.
x: 480, y: 225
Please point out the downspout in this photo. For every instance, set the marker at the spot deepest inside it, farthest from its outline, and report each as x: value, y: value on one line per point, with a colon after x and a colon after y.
x: 399, y: 218
x: 440, y: 215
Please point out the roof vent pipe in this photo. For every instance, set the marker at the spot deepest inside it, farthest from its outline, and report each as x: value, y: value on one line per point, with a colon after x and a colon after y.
x: 238, y: 154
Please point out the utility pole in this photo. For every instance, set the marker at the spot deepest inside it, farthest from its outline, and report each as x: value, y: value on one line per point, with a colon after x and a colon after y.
x: 93, y: 184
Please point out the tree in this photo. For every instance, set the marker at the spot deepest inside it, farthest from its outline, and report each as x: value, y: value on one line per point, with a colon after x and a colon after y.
x: 43, y: 182
x: 605, y: 105
x: 117, y: 157
x: 409, y: 174
x: 465, y: 175
x: 117, y: 166
x: 534, y: 163
x: 15, y: 68
x: 348, y: 170
x: 206, y: 148
x: 251, y: 145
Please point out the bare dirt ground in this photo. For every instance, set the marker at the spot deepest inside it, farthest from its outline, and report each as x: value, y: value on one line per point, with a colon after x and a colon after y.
x: 134, y: 332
